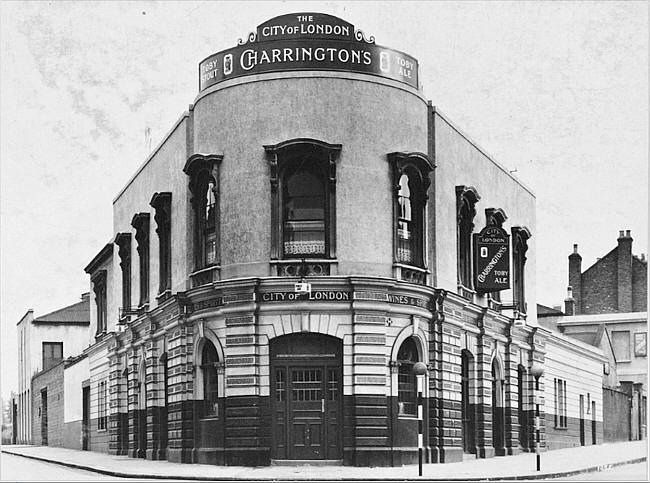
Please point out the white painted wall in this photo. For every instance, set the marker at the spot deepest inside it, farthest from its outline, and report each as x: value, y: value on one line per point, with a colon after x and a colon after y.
x: 73, y: 376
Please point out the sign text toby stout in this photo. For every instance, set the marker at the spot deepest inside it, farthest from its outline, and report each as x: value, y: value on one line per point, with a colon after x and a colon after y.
x: 491, y: 259
x: 307, y: 41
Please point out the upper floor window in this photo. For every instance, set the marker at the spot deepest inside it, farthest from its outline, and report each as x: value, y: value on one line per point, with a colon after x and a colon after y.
x: 520, y: 236
x: 162, y: 202
x: 123, y: 241
x: 52, y: 354
x: 303, y: 192
x: 203, y: 171
x: 99, y: 287
x: 141, y: 224
x: 411, y: 183
x: 466, y: 199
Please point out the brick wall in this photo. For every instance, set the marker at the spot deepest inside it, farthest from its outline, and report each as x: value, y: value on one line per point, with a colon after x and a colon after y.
x: 52, y: 380
x: 639, y: 285
x: 599, y: 290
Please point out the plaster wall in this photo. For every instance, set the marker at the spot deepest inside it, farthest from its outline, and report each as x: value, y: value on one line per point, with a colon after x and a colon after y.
x: 368, y: 117
x: 162, y: 172
x: 460, y: 162
x: 73, y: 377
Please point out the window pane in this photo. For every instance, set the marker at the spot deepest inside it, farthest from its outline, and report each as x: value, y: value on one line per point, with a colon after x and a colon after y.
x: 304, y: 214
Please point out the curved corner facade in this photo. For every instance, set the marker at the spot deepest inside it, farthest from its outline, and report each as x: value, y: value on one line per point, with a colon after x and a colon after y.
x: 297, y: 242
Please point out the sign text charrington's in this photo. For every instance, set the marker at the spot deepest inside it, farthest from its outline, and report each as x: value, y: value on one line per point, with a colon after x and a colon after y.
x: 307, y: 42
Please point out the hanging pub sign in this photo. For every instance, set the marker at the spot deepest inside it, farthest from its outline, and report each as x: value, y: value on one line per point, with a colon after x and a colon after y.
x: 491, y: 260
x: 307, y: 41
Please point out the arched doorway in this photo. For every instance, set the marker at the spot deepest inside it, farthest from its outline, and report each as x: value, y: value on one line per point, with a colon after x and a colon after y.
x: 468, y: 410
x: 498, y: 420
x: 306, y: 397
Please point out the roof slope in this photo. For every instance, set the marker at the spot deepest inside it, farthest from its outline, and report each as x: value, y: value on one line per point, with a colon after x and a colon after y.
x: 78, y: 313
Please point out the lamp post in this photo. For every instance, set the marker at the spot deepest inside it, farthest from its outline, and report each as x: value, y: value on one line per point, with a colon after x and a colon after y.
x: 420, y: 370
x: 537, y: 370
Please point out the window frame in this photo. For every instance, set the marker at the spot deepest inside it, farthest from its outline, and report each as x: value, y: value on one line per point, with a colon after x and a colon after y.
x: 53, y: 361
x: 520, y: 237
x: 102, y: 405
x: 201, y: 169
x: 641, y: 337
x: 417, y: 167
x: 99, y: 281
x: 141, y: 222
x: 123, y: 241
x: 466, y: 199
x: 210, y: 388
x: 407, y: 396
x: 281, y: 158
x: 560, y: 403
x: 162, y: 203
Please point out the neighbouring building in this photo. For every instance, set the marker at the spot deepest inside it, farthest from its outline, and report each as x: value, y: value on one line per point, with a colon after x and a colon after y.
x: 606, y: 307
x: 44, y: 342
x: 305, y: 233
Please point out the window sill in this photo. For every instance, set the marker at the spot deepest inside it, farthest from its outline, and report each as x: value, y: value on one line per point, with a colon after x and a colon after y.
x: 560, y: 428
x: 313, y: 267
x: 466, y: 292
x: 205, y: 275
x: 209, y: 418
x: 410, y: 273
x: 409, y: 417
x: 162, y: 296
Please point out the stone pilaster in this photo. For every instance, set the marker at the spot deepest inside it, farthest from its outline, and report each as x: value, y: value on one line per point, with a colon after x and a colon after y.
x: 180, y: 394
x: 511, y: 402
x: 484, y: 443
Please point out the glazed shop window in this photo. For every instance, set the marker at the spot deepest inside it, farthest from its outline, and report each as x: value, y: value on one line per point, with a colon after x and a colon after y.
x: 466, y: 199
x: 203, y: 171
x: 162, y: 203
x: 411, y: 183
x: 303, y: 198
x: 52, y: 354
x: 209, y: 362
x: 407, y: 356
x: 520, y: 236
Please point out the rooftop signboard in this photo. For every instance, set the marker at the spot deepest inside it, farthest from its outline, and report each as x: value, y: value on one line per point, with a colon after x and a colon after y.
x: 307, y: 41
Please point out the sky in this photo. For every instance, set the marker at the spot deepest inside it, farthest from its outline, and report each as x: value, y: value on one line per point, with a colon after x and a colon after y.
x: 556, y: 92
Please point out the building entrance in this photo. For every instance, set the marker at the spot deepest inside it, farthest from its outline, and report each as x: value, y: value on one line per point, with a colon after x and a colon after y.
x: 306, y: 393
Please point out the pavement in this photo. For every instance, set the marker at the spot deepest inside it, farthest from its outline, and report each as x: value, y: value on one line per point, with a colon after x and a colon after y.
x: 554, y: 464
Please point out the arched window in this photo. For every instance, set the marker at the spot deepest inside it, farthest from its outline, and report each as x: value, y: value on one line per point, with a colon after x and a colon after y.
x: 303, y: 204
x: 407, y: 356
x: 520, y: 236
x: 209, y: 360
x: 203, y: 171
x: 466, y: 199
x: 411, y: 183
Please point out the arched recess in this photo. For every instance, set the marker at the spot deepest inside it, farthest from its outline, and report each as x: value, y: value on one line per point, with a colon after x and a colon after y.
x: 498, y: 411
x: 468, y: 401
x: 141, y: 451
x: 207, y: 335
x: 142, y: 384
x: 422, y: 346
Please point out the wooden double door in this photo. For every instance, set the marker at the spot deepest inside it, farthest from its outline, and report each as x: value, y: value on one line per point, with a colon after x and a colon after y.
x: 307, y: 398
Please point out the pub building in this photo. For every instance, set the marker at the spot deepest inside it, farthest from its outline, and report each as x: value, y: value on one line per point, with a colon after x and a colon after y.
x: 309, y: 229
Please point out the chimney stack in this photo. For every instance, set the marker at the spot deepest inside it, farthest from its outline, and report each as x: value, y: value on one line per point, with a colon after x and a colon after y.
x: 569, y: 302
x: 575, y: 281
x: 624, y: 272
